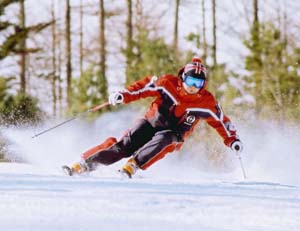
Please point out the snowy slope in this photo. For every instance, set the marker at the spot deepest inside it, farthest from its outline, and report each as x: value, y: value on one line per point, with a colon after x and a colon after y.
x: 35, y: 200
x: 174, y: 194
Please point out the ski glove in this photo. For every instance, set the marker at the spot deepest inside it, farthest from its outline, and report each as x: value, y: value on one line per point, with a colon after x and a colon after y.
x: 237, y: 146
x: 115, y: 98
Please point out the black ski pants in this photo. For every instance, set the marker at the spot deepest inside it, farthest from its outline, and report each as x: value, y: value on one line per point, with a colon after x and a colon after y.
x: 144, y: 142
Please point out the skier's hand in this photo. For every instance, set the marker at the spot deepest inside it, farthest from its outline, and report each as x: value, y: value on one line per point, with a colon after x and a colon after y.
x: 115, y: 98
x: 237, y: 146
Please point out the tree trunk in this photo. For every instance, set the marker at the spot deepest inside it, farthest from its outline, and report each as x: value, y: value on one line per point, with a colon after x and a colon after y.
x: 255, y: 11
x: 53, y: 79
x: 255, y: 23
x: 285, y: 26
x: 204, y: 57
x: 259, y: 80
x: 255, y: 32
x: 129, y: 40
x: 68, y: 54
x: 214, y: 46
x: 103, y: 81
x: 81, y: 39
x: 59, y: 80
x: 23, y: 50
x: 175, y: 42
x: 60, y: 63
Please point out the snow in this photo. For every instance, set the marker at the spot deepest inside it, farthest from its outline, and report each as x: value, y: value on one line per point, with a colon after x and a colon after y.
x: 175, y: 194
x: 34, y: 200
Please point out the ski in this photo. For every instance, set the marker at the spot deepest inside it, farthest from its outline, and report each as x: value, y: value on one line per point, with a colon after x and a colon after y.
x: 67, y: 170
x: 124, y: 174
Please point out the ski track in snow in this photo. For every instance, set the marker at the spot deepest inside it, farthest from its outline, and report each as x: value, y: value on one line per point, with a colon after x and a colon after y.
x: 171, y: 195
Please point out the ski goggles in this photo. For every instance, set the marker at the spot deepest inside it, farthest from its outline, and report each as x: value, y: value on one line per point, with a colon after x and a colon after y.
x: 192, y: 81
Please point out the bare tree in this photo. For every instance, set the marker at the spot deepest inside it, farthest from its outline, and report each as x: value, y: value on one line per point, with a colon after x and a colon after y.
x: 129, y: 38
x: 103, y: 81
x: 54, y: 67
x: 204, y: 32
x: 22, y: 49
x: 255, y: 21
x: 175, y: 42
x: 81, y: 38
x: 68, y: 53
x: 214, y: 46
x: 259, y: 80
x: 59, y: 61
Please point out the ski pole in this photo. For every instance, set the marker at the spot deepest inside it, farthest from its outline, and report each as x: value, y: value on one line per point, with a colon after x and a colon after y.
x: 82, y: 114
x: 241, y: 163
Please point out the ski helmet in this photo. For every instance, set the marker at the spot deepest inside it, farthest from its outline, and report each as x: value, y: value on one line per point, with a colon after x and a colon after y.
x: 194, y: 69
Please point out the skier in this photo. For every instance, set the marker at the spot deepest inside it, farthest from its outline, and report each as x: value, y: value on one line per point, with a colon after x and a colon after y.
x: 180, y: 103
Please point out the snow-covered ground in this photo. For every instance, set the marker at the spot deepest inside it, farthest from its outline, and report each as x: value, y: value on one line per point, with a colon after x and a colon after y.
x: 32, y: 199
x: 171, y: 195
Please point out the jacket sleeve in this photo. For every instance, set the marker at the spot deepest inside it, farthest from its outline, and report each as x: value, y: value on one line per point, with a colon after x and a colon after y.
x: 141, y: 89
x: 222, y: 124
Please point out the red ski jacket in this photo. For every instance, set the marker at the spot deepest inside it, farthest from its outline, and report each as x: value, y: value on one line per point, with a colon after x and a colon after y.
x: 173, y: 108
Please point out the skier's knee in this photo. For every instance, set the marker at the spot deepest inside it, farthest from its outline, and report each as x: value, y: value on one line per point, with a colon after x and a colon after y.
x: 166, y: 136
x: 91, y: 153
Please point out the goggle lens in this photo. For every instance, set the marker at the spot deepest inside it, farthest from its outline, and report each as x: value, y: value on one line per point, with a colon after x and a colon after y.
x: 191, y: 81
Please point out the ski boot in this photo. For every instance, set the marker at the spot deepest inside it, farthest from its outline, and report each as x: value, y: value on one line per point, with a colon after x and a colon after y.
x: 130, y: 168
x: 77, y: 168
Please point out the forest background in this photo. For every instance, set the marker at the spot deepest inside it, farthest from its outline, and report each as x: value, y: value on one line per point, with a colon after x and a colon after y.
x: 63, y: 57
